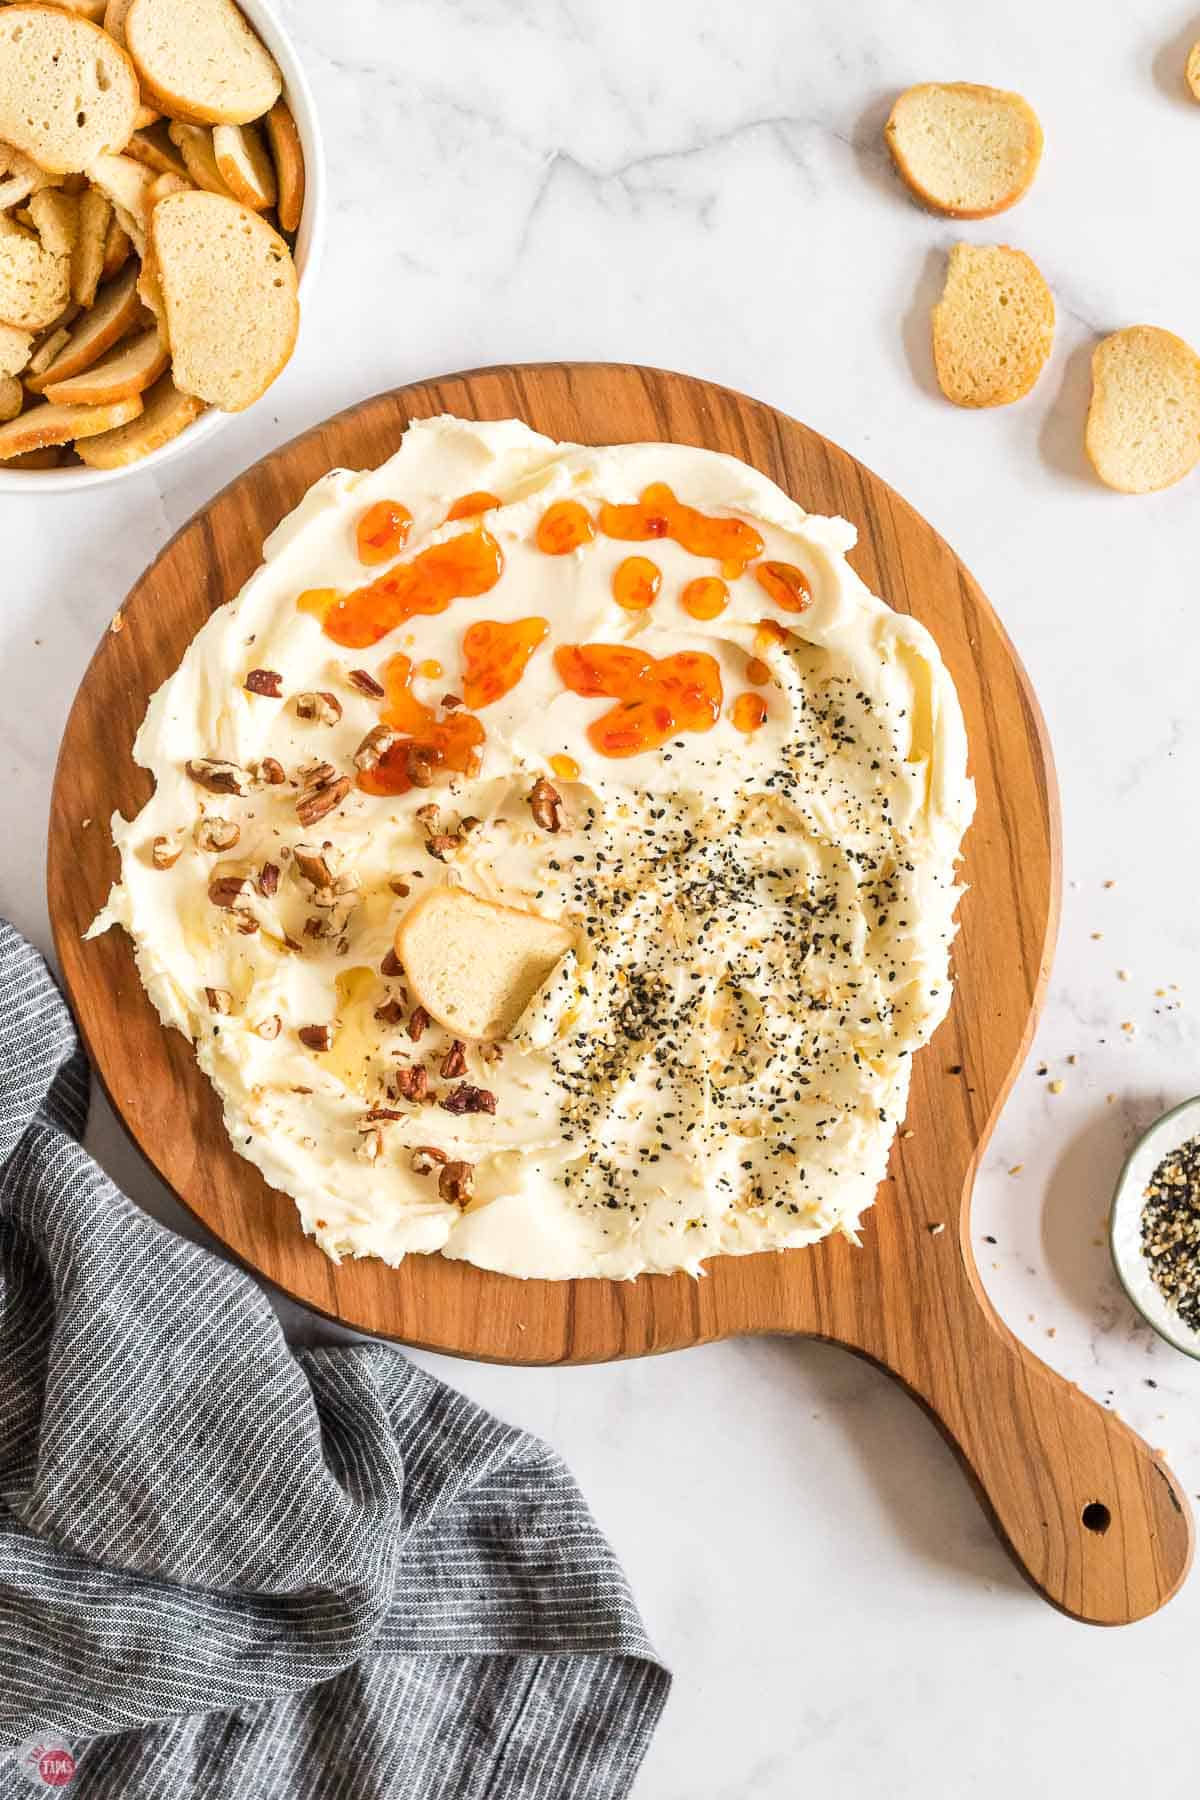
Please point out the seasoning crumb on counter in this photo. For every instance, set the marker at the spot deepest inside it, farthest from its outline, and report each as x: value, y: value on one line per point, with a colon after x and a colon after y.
x: 1171, y: 1230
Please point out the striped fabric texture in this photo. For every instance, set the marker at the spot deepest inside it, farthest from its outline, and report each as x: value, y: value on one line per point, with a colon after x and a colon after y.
x: 230, y: 1570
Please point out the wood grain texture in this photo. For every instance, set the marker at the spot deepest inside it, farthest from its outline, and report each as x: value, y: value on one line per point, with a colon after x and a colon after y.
x: 1040, y: 1454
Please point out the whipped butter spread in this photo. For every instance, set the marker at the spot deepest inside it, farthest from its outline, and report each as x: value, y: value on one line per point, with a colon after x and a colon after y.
x: 757, y: 772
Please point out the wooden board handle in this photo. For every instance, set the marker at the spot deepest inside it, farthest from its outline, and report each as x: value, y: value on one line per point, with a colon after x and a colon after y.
x: 1091, y: 1515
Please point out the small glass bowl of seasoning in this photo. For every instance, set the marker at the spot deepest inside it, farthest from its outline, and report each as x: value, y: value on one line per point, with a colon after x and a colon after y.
x: 1155, y: 1228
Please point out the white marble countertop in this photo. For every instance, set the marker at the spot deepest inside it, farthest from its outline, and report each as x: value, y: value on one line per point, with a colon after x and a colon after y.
x: 705, y: 188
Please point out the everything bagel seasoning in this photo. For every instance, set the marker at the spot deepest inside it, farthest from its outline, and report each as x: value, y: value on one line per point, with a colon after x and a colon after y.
x: 1171, y: 1230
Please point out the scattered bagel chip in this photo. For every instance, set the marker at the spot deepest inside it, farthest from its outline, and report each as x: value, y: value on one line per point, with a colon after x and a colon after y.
x: 129, y: 369
x: 244, y: 165
x: 1143, y: 424
x: 993, y: 327
x: 473, y: 964
x: 965, y: 150
x: 34, y: 284
x: 200, y: 60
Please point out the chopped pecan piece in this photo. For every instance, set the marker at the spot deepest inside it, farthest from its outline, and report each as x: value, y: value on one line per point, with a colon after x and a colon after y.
x: 316, y: 1037
x: 366, y: 684
x: 316, y: 770
x: 269, y: 1028
x: 220, y: 1000
x: 429, y: 815
x: 228, y: 891
x: 268, y: 880
x: 450, y: 701
x: 218, y: 777
x: 417, y: 1023
x: 381, y: 1115
x: 265, y: 681
x: 164, y: 854
x: 491, y: 1053
x: 341, y: 895
x: 410, y: 1084
x: 370, y: 1144
x: 391, y: 966
x: 456, y: 1183
x: 467, y: 1099
x: 272, y: 772
x: 544, y: 804
x: 454, y: 1062
x: 216, y: 834
x: 443, y: 844
x: 247, y: 924
x: 374, y: 747
x: 317, y: 928
x: 317, y: 864
x: 426, y: 1158
x: 420, y: 765
x: 392, y: 1013
x: 321, y: 708
x: 319, y: 799
x: 400, y: 888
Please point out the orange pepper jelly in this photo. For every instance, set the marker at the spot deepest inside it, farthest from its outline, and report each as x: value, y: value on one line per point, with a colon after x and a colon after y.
x: 469, y: 506
x: 787, y: 585
x: 382, y: 531
x: 658, y: 696
x: 460, y: 569
x: 448, y: 741
x: 748, y: 712
x: 705, y: 598
x: 496, y: 656
x: 635, y: 583
x: 658, y: 514
x: 563, y: 527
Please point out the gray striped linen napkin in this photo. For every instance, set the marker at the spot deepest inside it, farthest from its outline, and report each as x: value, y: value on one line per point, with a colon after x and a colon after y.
x: 230, y: 1570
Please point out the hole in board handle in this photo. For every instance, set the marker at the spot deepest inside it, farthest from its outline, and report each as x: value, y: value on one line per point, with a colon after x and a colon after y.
x: 1096, y: 1517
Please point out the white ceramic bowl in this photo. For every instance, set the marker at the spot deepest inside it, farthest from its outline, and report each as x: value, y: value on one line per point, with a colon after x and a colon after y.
x: 1166, y: 1135
x: 309, y: 240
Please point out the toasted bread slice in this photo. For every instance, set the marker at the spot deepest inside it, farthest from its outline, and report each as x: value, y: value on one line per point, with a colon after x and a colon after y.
x: 44, y: 424
x: 993, y: 327
x: 34, y: 285
x: 16, y: 347
x: 155, y: 148
x: 47, y: 458
x: 964, y: 150
x: 288, y: 157
x: 129, y: 369
x: 1143, y: 425
x: 162, y: 185
x: 200, y: 60
x: 118, y: 248
x: 195, y: 145
x: 1193, y: 71
x: 114, y: 19
x: 50, y: 347
x: 68, y: 93
x: 87, y: 9
x: 127, y: 183
x: 167, y: 412
x: 87, y: 259
x: 244, y: 166
x: 230, y: 289
x: 56, y: 220
x: 12, y: 397
x: 115, y: 312
x: 22, y: 177
x: 475, y: 965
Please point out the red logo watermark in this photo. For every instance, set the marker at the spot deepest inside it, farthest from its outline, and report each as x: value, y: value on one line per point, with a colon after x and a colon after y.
x: 47, y: 1763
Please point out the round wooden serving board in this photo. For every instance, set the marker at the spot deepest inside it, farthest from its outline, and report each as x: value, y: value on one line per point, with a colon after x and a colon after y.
x: 1093, y: 1517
